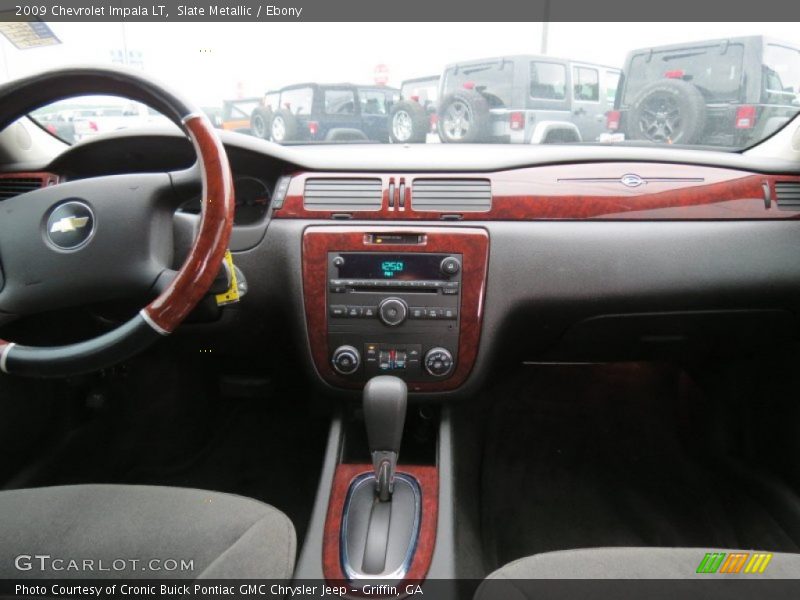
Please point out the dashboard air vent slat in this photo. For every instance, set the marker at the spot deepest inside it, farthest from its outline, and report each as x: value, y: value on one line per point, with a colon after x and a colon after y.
x: 451, y: 195
x: 788, y: 195
x: 341, y: 195
x: 15, y: 186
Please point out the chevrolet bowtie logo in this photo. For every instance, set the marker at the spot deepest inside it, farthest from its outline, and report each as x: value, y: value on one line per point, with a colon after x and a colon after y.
x: 68, y: 224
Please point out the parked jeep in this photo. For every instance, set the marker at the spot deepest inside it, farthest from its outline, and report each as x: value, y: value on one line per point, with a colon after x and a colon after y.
x: 525, y: 100
x: 236, y: 113
x: 412, y: 119
x: 335, y: 112
x: 261, y: 117
x: 729, y: 92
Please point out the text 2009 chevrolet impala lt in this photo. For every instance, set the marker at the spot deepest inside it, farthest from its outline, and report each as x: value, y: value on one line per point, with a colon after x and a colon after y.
x: 506, y: 349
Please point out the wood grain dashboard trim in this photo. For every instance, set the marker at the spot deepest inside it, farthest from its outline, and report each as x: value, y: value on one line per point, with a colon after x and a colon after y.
x: 428, y: 479
x: 585, y: 191
x: 471, y: 242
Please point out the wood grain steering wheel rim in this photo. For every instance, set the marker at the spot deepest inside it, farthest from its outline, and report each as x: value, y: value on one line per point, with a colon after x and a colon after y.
x: 202, y: 265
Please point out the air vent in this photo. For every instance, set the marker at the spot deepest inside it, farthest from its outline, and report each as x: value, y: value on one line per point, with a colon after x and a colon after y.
x: 14, y: 186
x: 343, y: 194
x: 451, y: 195
x: 788, y: 194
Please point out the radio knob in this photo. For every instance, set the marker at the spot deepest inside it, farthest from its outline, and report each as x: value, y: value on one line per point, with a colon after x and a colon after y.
x: 450, y: 265
x: 346, y: 360
x: 393, y: 311
x: 438, y: 362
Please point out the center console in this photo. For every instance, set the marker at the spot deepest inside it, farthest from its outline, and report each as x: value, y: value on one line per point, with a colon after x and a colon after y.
x: 390, y: 301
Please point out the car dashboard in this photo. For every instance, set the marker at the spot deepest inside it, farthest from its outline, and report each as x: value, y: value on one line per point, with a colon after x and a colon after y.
x: 439, y: 265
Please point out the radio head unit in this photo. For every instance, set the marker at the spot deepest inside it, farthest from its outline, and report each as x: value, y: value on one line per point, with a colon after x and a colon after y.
x: 393, y: 313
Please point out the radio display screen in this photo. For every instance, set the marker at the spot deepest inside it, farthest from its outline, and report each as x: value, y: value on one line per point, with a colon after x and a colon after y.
x: 392, y: 266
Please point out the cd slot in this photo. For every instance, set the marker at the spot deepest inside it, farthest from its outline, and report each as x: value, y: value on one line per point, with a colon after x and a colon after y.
x: 390, y: 289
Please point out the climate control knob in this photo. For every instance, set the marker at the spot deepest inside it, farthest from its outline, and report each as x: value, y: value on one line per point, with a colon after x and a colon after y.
x: 346, y: 360
x: 393, y: 311
x: 438, y: 362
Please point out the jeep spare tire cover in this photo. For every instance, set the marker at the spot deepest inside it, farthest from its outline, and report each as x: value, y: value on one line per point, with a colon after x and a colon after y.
x: 408, y: 123
x: 671, y: 111
x: 464, y: 117
x: 284, y: 127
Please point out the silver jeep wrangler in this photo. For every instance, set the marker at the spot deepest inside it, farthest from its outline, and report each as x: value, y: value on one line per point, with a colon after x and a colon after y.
x: 525, y: 99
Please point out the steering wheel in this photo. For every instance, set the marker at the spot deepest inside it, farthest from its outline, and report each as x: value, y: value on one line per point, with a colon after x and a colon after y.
x: 109, y: 237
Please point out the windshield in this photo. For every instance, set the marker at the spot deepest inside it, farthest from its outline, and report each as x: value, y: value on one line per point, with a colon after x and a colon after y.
x: 723, y: 86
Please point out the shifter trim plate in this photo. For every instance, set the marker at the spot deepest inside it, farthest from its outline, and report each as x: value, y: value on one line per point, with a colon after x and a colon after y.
x: 354, y: 574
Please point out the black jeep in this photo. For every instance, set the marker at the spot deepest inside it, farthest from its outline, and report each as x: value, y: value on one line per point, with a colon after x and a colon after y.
x: 730, y: 92
x: 330, y: 113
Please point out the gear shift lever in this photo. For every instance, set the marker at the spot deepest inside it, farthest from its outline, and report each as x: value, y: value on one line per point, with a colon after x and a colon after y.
x: 385, y: 399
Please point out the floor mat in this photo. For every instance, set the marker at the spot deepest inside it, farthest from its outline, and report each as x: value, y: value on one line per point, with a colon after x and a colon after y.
x: 170, y: 426
x: 611, y: 455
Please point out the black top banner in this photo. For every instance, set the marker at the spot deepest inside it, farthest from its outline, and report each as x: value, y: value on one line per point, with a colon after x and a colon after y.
x: 403, y: 11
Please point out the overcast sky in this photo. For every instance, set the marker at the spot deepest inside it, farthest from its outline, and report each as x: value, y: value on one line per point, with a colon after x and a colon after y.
x: 212, y: 61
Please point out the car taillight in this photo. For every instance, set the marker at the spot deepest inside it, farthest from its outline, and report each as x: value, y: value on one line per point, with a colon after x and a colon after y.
x: 313, y: 127
x: 51, y: 128
x: 516, y: 121
x: 434, y: 121
x: 674, y: 74
x: 415, y: 99
x: 612, y: 120
x: 746, y: 117
x: 468, y: 85
x: 92, y: 125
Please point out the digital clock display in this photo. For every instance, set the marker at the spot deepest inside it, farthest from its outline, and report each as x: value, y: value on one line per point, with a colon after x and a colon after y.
x: 391, y: 267
x: 419, y: 266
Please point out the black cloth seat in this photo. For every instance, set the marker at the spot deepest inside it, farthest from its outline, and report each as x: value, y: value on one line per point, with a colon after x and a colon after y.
x: 216, y: 535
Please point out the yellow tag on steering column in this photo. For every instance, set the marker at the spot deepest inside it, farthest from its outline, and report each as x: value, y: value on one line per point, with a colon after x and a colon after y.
x: 231, y: 295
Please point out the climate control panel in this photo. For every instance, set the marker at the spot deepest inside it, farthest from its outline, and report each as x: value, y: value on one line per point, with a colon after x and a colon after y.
x: 393, y: 313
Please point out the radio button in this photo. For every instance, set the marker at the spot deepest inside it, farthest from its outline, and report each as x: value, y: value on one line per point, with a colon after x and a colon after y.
x: 450, y: 313
x: 431, y: 313
x: 369, y: 311
x: 337, y: 310
x: 450, y: 265
x: 450, y: 288
x: 354, y: 311
x: 416, y: 312
x: 393, y: 311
